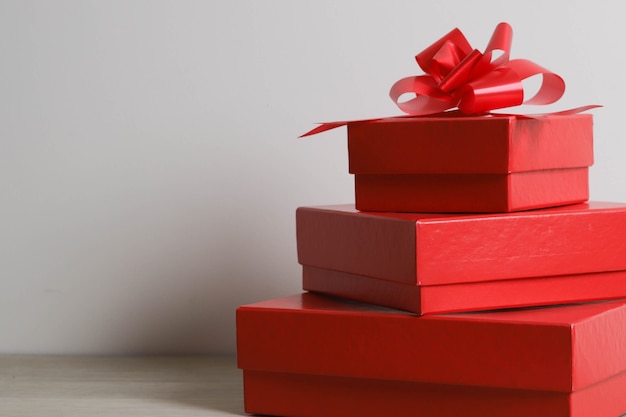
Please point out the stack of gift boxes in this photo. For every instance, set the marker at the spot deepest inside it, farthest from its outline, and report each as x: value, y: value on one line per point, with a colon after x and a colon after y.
x: 471, y: 278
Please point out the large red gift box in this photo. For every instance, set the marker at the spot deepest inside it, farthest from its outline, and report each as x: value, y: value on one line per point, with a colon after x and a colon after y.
x: 316, y: 356
x: 470, y: 164
x: 433, y: 263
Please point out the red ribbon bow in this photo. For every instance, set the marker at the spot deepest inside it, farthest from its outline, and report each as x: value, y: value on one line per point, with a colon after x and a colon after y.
x: 474, y: 82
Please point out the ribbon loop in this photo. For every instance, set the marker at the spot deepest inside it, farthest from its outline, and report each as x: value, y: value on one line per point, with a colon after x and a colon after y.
x: 552, y: 86
x: 458, y: 76
x: 498, y: 89
x: 501, y: 40
x: 474, y: 82
x: 456, y: 42
x: 461, y: 73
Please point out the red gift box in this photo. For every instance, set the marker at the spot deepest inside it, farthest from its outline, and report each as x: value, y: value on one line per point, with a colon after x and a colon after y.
x: 470, y: 164
x: 311, y: 355
x: 433, y: 263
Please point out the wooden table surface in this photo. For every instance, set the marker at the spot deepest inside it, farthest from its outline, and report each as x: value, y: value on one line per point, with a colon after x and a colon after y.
x: 68, y: 386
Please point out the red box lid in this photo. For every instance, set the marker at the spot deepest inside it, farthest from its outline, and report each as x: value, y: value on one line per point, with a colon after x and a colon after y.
x: 470, y: 145
x: 552, y: 349
x: 434, y: 249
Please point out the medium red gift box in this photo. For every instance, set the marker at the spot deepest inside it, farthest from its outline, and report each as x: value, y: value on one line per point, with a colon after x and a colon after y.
x: 315, y: 356
x: 470, y: 164
x: 433, y: 263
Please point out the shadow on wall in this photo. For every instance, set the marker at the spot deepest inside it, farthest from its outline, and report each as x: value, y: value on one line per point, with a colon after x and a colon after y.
x: 185, y: 301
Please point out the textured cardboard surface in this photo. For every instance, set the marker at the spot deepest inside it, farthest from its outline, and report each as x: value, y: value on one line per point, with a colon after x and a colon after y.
x: 432, y: 263
x: 560, y: 349
x: 472, y: 192
x: 285, y: 394
x: 470, y: 145
x: 470, y: 164
x: 462, y: 297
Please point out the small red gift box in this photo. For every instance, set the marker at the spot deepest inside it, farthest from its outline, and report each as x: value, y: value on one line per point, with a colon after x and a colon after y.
x: 433, y: 263
x: 314, y: 356
x: 470, y: 164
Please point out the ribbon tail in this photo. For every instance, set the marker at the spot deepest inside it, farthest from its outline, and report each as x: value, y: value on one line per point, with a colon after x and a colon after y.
x: 576, y: 110
x: 323, y: 127
x: 567, y: 112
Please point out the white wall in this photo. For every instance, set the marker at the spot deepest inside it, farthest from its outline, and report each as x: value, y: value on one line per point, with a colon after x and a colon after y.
x: 149, y: 166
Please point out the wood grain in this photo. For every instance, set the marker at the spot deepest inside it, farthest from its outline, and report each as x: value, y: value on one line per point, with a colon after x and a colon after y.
x: 87, y: 386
